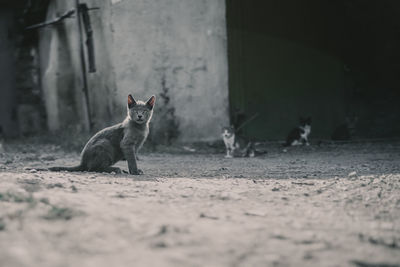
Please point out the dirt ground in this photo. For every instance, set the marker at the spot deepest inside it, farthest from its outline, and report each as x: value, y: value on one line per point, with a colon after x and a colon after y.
x: 327, y: 205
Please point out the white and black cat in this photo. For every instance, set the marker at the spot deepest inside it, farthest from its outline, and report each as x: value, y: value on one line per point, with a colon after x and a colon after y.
x: 235, y: 146
x: 299, y: 135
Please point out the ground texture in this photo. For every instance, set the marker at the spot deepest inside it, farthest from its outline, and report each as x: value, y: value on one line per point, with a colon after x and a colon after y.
x: 327, y: 205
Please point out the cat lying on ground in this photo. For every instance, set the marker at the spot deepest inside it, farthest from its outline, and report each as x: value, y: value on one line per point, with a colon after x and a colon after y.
x: 346, y: 130
x: 119, y: 142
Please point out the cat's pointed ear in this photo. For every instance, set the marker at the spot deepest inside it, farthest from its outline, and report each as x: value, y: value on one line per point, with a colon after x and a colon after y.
x: 131, y: 101
x: 150, y: 103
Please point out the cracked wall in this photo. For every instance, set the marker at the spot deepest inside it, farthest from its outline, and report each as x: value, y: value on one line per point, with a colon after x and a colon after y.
x: 173, y: 49
x: 179, y: 45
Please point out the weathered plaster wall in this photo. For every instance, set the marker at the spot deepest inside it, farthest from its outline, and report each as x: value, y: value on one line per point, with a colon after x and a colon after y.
x: 60, y: 70
x: 174, y: 49
x: 177, y: 48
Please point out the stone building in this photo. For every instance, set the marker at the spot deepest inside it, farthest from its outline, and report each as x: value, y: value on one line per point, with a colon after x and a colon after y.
x: 210, y: 63
x: 174, y: 49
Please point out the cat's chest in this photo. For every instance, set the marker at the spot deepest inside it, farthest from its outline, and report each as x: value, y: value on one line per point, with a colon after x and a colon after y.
x: 229, y: 141
x: 305, y: 132
x: 135, y: 136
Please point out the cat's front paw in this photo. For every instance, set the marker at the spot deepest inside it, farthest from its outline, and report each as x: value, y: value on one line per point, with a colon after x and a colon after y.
x: 136, y: 172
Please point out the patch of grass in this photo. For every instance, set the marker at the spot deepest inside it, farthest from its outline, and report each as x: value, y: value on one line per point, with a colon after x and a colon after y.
x: 55, y: 212
x: 31, y: 185
x: 2, y: 224
x: 45, y: 201
x: 16, y: 197
x: 60, y: 213
x: 59, y: 185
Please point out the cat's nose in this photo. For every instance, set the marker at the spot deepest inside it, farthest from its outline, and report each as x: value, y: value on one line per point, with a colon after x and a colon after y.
x: 140, y: 116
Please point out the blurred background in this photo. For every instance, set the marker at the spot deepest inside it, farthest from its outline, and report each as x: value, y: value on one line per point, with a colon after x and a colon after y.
x: 68, y: 66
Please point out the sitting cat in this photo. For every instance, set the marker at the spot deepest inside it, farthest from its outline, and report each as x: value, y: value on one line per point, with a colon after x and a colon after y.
x: 235, y: 146
x: 119, y: 142
x: 299, y: 135
x: 346, y: 130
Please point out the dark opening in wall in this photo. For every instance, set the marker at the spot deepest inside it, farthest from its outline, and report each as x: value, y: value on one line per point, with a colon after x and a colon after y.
x: 22, y: 110
x: 331, y: 60
x: 8, y: 100
x: 371, y: 37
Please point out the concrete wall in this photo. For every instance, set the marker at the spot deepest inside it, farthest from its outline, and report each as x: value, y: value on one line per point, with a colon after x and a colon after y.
x: 60, y: 70
x: 62, y: 79
x: 174, y: 49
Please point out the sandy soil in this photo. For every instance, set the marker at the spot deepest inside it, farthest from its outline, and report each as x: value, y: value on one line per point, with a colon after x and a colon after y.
x: 328, y: 205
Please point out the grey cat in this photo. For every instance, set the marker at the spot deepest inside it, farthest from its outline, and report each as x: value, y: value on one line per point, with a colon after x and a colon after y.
x: 119, y: 142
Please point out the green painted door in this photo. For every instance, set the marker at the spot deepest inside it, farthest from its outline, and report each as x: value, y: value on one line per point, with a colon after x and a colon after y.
x: 284, y: 62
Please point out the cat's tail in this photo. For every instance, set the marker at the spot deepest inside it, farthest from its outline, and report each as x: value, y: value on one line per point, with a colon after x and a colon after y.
x: 250, y: 150
x: 78, y: 168
x: 286, y: 144
x: 260, y: 152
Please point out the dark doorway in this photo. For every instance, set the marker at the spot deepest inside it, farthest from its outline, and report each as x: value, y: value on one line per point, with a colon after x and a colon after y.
x: 316, y: 58
x: 8, y: 110
x: 21, y: 104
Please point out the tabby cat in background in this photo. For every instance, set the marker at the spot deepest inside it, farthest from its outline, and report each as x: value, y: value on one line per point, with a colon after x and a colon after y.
x: 236, y: 146
x: 346, y: 130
